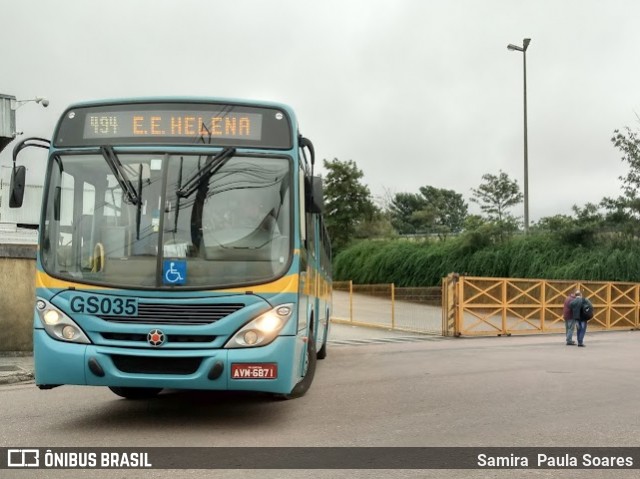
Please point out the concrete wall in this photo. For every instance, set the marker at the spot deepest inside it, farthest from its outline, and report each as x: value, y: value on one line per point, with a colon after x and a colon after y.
x: 17, y: 293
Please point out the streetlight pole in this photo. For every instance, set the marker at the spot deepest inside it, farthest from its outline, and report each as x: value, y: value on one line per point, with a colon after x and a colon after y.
x: 523, y: 49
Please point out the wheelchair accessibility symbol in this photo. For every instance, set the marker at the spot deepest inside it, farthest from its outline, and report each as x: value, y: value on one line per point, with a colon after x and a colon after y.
x: 174, y: 271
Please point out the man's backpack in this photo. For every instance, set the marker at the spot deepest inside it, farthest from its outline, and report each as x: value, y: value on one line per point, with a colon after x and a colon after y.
x: 586, y: 310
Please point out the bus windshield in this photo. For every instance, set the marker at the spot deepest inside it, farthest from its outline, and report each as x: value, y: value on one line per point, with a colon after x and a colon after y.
x: 124, y: 219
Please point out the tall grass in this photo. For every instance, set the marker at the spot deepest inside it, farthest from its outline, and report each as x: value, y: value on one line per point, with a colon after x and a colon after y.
x: 425, y: 263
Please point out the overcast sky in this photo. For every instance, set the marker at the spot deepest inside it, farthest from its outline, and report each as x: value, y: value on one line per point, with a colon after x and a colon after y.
x: 416, y: 92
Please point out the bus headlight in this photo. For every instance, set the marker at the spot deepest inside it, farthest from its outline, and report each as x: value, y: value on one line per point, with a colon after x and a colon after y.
x: 58, y: 325
x: 51, y: 317
x: 263, y: 329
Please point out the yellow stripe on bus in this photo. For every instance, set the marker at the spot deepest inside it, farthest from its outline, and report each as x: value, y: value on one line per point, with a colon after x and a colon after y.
x: 286, y: 284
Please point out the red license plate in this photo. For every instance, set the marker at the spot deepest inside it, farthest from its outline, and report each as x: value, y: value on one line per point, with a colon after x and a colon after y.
x: 254, y: 371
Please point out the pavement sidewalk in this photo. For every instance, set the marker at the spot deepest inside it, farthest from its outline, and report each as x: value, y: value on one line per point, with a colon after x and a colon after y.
x: 16, y: 367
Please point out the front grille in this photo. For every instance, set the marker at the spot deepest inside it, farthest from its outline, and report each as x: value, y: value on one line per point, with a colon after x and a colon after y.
x: 151, y: 365
x: 171, y: 338
x: 182, y: 314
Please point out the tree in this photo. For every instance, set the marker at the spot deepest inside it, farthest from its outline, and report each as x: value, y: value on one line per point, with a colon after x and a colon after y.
x: 434, y: 210
x: 348, y: 202
x: 496, y: 195
x: 553, y: 224
x: 629, y: 144
x: 375, y: 226
x: 579, y: 231
x: 402, y: 210
x: 624, y: 211
x: 447, y: 208
x: 588, y: 215
x: 619, y: 217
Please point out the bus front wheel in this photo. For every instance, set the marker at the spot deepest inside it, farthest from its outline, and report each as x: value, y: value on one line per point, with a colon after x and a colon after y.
x: 135, y: 393
x: 304, y: 384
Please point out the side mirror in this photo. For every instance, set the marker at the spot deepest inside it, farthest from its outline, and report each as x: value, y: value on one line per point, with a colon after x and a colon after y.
x: 18, y: 177
x: 315, y: 198
x: 19, y: 173
x: 306, y: 143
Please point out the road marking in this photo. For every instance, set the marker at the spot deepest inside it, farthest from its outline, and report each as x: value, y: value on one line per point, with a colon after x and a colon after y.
x: 399, y: 339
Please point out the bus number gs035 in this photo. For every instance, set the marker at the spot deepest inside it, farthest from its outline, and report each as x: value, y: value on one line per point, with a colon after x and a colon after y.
x: 104, y: 305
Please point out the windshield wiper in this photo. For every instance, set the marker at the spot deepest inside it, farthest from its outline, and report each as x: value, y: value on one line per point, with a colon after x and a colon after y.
x: 121, y: 175
x: 139, y: 204
x: 213, y: 164
x: 175, y: 222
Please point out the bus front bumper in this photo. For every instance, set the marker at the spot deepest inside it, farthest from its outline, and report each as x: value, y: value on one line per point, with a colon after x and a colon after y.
x: 268, y: 368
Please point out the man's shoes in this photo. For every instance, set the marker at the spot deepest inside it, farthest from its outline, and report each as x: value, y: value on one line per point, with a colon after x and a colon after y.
x: 570, y: 343
x: 581, y: 345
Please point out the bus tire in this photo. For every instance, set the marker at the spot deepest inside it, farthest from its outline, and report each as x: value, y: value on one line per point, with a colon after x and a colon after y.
x: 322, y: 352
x: 135, y: 393
x: 304, y: 384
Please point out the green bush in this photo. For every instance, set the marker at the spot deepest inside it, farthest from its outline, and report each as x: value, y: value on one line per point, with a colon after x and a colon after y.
x: 425, y: 263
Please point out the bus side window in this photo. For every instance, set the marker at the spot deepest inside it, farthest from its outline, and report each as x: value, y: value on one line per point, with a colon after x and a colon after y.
x: 311, y: 235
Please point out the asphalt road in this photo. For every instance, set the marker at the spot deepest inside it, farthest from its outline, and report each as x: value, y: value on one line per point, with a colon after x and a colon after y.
x: 505, y: 392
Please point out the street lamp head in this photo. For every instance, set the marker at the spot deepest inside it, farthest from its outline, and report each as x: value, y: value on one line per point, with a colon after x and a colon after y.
x: 15, y: 104
x: 513, y: 47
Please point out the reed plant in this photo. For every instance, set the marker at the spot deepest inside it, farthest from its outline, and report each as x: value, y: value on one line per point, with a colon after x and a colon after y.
x: 537, y: 256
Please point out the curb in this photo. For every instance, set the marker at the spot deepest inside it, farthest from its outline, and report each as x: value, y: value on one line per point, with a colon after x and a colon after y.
x: 18, y: 375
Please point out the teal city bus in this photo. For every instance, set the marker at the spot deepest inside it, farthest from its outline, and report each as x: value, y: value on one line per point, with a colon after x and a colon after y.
x: 181, y: 246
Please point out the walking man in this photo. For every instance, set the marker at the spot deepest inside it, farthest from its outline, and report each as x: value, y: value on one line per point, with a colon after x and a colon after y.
x: 581, y: 311
x: 567, y: 314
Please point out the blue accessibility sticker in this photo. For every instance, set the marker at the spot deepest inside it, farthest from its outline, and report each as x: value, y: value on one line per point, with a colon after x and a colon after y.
x: 174, y: 271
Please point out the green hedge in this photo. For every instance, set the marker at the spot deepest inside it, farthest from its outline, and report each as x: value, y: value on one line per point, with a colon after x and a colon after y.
x: 425, y: 263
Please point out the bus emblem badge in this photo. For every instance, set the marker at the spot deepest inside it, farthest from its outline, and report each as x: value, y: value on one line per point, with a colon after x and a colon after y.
x: 156, y: 337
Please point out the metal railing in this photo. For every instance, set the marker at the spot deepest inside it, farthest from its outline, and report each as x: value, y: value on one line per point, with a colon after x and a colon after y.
x: 476, y: 306
x: 387, y: 306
